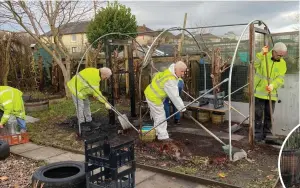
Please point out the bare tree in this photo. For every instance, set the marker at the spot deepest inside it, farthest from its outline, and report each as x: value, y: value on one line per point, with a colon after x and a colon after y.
x: 35, y: 17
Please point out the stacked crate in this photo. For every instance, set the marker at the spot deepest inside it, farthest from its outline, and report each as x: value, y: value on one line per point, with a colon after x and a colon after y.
x: 110, y: 163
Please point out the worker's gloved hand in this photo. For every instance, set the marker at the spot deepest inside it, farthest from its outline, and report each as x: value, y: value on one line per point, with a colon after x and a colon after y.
x: 269, y: 88
x: 107, y: 106
x: 265, y: 50
x: 183, y: 110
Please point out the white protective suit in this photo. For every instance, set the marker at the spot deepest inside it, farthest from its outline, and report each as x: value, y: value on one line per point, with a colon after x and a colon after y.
x: 84, y: 111
x: 157, y: 112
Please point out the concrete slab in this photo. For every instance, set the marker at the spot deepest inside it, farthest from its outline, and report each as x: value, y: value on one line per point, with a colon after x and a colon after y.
x: 142, y: 175
x: 18, y: 149
x: 163, y: 181
x: 201, y: 132
x: 43, y: 153
x: 65, y: 157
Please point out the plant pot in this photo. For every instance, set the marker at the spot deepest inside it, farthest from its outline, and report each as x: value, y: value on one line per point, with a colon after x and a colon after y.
x: 203, y: 116
x: 217, y: 118
x: 36, y: 105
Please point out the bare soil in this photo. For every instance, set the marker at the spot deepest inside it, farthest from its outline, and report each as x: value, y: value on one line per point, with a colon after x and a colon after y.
x: 190, y: 154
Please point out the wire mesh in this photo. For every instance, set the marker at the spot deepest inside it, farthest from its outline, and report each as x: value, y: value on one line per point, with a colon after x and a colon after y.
x: 290, y: 160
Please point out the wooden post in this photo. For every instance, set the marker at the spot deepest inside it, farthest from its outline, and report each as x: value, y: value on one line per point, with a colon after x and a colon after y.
x: 182, y: 36
x: 95, y: 8
x: 251, y: 85
x: 126, y: 68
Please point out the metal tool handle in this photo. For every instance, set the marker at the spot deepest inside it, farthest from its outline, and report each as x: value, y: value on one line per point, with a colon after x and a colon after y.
x: 270, y: 98
x: 119, y: 114
x: 112, y: 107
x: 225, y: 80
x: 208, y: 131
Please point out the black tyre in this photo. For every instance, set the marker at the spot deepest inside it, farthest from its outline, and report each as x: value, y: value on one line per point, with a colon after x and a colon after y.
x: 66, y: 174
x: 4, y: 150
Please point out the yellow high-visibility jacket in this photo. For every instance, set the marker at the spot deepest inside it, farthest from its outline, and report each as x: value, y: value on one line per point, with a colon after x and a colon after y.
x: 11, y: 103
x: 155, y: 90
x: 277, y: 71
x: 90, y: 75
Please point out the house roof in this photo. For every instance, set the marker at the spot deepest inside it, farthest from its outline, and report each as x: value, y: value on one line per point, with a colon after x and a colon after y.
x: 143, y: 30
x: 206, y: 36
x: 72, y: 28
x: 179, y: 36
x: 81, y: 27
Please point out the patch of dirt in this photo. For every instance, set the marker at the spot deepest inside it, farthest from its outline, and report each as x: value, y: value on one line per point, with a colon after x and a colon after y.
x: 203, y: 156
x: 192, y: 154
x: 16, y: 172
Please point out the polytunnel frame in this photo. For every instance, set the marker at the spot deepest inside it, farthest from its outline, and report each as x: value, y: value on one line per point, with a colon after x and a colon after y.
x: 149, y: 53
x: 146, y: 59
x: 81, y: 60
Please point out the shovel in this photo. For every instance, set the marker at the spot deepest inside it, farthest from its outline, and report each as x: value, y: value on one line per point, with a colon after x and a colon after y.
x: 237, y: 127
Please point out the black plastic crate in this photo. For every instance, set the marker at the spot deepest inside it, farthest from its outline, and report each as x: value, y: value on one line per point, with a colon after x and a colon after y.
x: 113, y: 153
x: 100, y: 177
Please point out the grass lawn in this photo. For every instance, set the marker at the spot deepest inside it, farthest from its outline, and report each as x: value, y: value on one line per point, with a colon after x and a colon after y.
x: 48, y: 132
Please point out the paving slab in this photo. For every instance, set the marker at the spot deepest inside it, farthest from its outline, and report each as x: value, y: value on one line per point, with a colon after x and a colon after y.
x: 43, y: 153
x: 201, y: 132
x: 142, y: 175
x: 18, y: 149
x: 66, y: 157
x: 163, y: 181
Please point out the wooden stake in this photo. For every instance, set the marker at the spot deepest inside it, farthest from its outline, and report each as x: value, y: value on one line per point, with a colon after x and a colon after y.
x: 251, y: 84
x: 182, y: 36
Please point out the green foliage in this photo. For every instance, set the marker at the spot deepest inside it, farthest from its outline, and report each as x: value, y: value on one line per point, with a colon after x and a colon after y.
x: 113, y: 18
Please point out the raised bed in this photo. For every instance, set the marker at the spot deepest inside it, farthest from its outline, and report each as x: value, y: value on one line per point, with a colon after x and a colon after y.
x: 36, y: 105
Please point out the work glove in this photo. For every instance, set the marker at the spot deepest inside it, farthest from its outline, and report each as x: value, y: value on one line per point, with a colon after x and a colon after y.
x: 107, y: 106
x: 265, y: 50
x: 269, y: 88
x: 183, y: 110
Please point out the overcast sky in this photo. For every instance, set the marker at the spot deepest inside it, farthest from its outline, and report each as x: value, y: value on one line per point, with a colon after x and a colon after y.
x: 278, y: 15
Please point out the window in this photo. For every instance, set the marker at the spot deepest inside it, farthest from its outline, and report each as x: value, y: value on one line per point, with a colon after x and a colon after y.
x: 73, y: 38
x: 74, y: 49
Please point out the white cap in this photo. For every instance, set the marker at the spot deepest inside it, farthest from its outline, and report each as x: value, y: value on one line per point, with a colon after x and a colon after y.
x: 106, y: 71
x: 180, y: 65
x: 280, y: 47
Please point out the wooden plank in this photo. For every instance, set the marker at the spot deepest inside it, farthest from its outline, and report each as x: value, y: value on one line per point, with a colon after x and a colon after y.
x: 262, y: 31
x: 208, y: 107
x: 171, y: 59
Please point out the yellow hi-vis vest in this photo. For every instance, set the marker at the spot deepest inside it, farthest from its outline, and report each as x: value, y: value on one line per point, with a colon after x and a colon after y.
x: 90, y: 75
x: 155, y: 90
x: 277, y: 71
x: 11, y: 103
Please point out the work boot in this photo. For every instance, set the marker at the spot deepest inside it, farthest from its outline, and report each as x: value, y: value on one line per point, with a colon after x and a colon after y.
x: 176, y: 122
x: 94, y: 125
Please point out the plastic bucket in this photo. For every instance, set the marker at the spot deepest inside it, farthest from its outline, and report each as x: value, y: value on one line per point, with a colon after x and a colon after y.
x: 149, y: 137
x: 203, y: 116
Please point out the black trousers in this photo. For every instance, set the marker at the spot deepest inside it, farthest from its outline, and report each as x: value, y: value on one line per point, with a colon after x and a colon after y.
x: 263, y: 125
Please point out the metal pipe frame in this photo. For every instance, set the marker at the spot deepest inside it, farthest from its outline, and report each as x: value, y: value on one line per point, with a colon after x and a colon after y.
x: 81, y: 60
x: 230, y: 79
